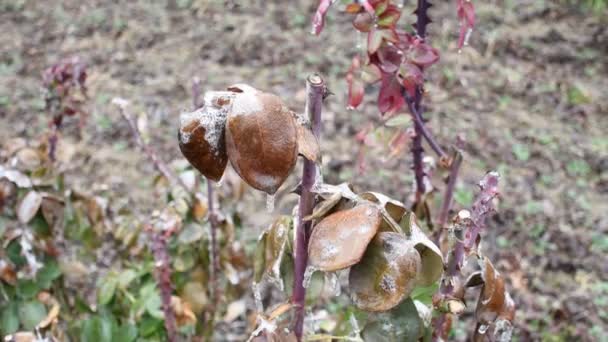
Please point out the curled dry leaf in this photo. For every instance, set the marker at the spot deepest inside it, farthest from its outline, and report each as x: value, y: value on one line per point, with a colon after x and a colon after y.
x: 340, y: 239
x: 386, y: 274
x: 308, y: 146
x: 431, y: 257
x: 271, y: 249
x: 15, y: 176
x: 495, y: 307
x: 28, y: 207
x: 52, y: 209
x: 202, y: 134
x: 393, y: 208
x: 261, y: 138
x: 324, y: 207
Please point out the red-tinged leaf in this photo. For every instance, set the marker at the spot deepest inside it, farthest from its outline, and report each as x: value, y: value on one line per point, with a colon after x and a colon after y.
x: 390, y: 17
x: 376, y: 36
x: 363, y: 22
x: 411, y: 77
x: 318, y: 20
x: 390, y: 58
x: 389, y: 97
x: 466, y: 15
x: 371, y: 73
x: 353, y: 8
x: 423, y: 54
x: 356, y: 88
x: 380, y: 7
x: 466, y: 12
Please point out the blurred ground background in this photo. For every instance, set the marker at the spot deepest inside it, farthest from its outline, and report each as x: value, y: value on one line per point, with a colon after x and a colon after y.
x: 528, y: 95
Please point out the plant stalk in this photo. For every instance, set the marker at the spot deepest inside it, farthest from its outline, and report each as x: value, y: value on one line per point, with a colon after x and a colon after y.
x: 315, y: 92
x: 448, y: 195
x: 215, y: 261
x: 163, y: 279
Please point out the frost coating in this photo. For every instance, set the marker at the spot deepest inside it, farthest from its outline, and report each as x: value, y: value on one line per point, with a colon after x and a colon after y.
x: 212, y: 117
x: 246, y: 103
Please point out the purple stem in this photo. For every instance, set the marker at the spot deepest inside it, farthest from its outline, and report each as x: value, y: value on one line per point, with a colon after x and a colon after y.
x: 448, y: 195
x: 472, y: 228
x: 315, y: 91
x: 163, y: 278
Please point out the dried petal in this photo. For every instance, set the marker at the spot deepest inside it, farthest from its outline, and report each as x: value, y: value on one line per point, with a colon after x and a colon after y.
x: 340, y: 239
x: 201, y: 135
x: 430, y: 255
x: 386, y: 274
x: 261, y: 139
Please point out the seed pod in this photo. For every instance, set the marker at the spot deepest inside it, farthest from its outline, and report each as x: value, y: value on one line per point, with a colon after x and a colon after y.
x: 261, y: 138
x: 201, y: 135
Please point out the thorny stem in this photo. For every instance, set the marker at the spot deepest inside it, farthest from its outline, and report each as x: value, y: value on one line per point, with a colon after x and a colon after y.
x: 316, y: 90
x: 158, y: 163
x: 472, y: 228
x: 215, y: 262
x: 163, y: 278
x: 448, y: 194
x: 420, y: 126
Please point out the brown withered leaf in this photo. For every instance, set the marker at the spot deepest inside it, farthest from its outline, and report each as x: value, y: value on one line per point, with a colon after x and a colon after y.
x: 431, y: 257
x: 28, y: 207
x: 324, y: 207
x: 261, y: 138
x: 308, y: 145
x: 340, y: 239
x: 52, y: 209
x: 202, y: 134
x: 393, y: 210
x: 271, y: 249
x: 386, y: 274
x: 8, y: 272
x: 495, y: 308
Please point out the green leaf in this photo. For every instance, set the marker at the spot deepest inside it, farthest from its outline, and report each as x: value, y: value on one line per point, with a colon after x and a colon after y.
x: 48, y: 273
x: 124, y: 333
x: 399, y: 121
x: 107, y: 290
x: 463, y: 197
x: 9, y: 322
x: 125, y: 278
x: 400, y: 324
x: 521, y: 152
x: 149, y: 325
x: 424, y: 294
x: 98, y: 329
x: 27, y: 289
x: 31, y: 313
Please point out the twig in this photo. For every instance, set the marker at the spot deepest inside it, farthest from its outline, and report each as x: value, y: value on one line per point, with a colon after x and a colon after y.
x: 470, y: 224
x: 215, y: 262
x: 420, y: 126
x: 316, y: 90
x: 163, y: 279
x: 448, y: 194
x: 158, y: 163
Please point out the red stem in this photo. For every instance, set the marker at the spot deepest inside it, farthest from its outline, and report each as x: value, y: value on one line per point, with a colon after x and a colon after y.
x: 316, y: 91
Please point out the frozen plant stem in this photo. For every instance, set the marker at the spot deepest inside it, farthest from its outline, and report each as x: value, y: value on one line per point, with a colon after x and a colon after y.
x: 163, y: 279
x: 448, y: 195
x: 215, y: 261
x: 315, y: 92
x: 215, y: 268
x: 471, y: 228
